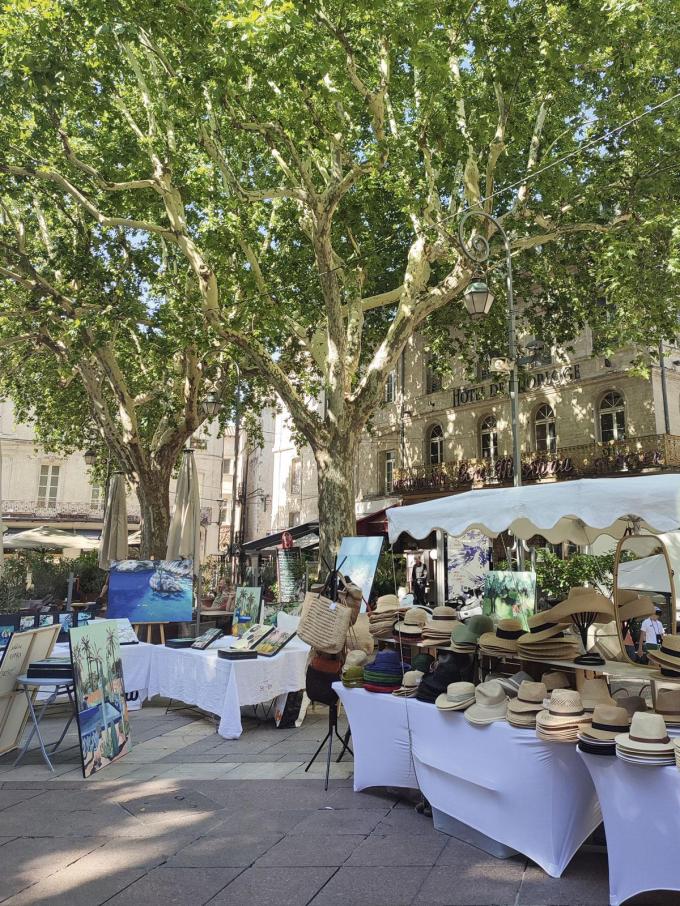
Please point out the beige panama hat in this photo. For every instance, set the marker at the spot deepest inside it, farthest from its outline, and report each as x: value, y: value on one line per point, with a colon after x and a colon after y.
x: 555, y: 679
x: 529, y: 698
x: 413, y: 622
x: 386, y: 603
x: 409, y: 684
x: 608, y: 721
x: 647, y: 736
x: 458, y: 697
x: 641, y: 606
x: 669, y: 653
x: 565, y: 709
x: 541, y: 627
x: 491, y: 703
x: 504, y: 639
x: 583, y: 600
x: 668, y: 706
x: 595, y: 692
x: 442, y: 620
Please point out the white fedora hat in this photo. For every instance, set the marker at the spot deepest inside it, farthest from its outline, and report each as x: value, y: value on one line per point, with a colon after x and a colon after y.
x: 491, y: 703
x: 647, y: 735
x: 457, y: 697
x: 529, y: 698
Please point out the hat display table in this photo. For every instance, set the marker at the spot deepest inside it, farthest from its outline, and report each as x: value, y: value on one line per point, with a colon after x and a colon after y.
x: 641, y: 810
x: 534, y: 797
x: 223, y: 687
x: 382, y: 754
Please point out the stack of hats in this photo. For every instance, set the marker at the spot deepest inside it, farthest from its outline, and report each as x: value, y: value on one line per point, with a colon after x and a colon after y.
x: 439, y: 626
x: 555, y: 679
x: 634, y: 606
x: 409, y: 684
x: 522, y: 709
x: 382, y: 619
x: 598, y: 737
x: 676, y: 748
x: 409, y: 629
x: 353, y: 677
x: 491, y: 704
x: 385, y: 673
x: 546, y: 640
x: 465, y: 636
x: 595, y: 692
x: 512, y: 683
x: 355, y: 658
x: 503, y: 641
x: 422, y: 662
x: 560, y: 722
x: 458, y: 697
x: 667, y: 657
x: 584, y: 607
x: 668, y: 706
x: 436, y: 683
x: 647, y: 742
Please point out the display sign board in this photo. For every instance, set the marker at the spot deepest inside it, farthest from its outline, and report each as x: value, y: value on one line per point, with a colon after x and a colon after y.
x: 286, y: 569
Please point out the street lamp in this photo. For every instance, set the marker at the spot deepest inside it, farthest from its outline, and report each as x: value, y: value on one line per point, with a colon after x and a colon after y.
x: 478, y: 299
x: 90, y: 457
x: 211, y: 404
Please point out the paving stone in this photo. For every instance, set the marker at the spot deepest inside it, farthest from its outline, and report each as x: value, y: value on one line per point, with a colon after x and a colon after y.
x: 59, y: 813
x: 308, y: 851
x: 166, y: 886
x: 181, y: 757
x: 474, y: 880
x: 71, y: 887
x: 585, y: 882
x: 397, y: 849
x: 158, y: 807
x: 23, y: 861
x: 347, y: 798
x: 263, y: 822
x: 284, y: 887
x: 11, y: 797
x: 340, y: 821
x: 407, y: 821
x: 372, y: 887
x: 220, y: 848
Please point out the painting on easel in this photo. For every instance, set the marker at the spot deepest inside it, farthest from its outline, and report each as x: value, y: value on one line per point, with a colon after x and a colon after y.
x: 101, y: 708
x: 151, y: 591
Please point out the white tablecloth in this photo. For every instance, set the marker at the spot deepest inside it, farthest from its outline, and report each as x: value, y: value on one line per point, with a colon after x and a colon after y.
x: 382, y: 755
x: 641, y: 809
x: 535, y: 797
x: 136, y: 661
x: 223, y: 687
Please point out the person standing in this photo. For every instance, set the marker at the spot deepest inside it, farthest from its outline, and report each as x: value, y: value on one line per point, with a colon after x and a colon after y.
x: 419, y: 581
x: 652, y: 632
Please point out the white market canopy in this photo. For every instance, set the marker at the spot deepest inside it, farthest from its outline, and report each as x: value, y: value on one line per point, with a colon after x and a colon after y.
x: 648, y: 574
x: 47, y: 538
x: 578, y: 511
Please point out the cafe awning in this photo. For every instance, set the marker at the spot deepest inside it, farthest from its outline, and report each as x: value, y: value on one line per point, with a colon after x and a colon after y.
x: 271, y: 542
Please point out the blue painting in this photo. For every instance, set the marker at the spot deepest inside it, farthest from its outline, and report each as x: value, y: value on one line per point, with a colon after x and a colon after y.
x: 358, y: 559
x: 151, y: 591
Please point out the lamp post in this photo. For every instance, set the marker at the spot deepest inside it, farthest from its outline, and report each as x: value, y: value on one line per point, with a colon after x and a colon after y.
x: 478, y: 299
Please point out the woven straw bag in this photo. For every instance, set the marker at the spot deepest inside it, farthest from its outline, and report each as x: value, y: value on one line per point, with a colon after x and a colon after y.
x: 323, y: 623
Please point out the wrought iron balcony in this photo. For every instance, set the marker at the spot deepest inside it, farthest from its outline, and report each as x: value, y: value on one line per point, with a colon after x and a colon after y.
x: 44, y: 511
x: 635, y: 455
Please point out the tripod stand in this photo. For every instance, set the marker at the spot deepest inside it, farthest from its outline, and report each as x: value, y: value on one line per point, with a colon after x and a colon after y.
x: 328, y: 738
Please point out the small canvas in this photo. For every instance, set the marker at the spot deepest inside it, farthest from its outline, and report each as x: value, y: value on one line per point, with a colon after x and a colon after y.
x: 151, y: 591
x: 101, y: 709
x: 358, y: 559
x: 274, y: 642
x: 126, y: 634
x: 250, y: 639
x: 9, y: 624
x: 27, y: 621
x: 249, y: 602
x: 510, y: 596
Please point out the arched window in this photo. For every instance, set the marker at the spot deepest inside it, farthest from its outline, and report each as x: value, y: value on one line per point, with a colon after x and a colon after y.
x: 488, y: 437
x: 545, y: 429
x: 435, y: 439
x: 612, y: 417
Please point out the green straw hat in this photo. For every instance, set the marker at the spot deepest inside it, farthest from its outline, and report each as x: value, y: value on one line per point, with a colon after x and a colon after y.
x: 468, y: 633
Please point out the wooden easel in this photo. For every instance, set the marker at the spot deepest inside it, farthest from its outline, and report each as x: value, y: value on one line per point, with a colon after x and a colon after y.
x: 149, y: 631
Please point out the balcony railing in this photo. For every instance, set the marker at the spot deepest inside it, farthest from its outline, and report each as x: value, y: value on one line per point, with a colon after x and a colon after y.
x: 635, y: 455
x: 64, y: 512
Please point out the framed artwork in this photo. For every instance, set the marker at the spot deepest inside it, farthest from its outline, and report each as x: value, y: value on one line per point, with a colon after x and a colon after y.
x: 9, y: 624
x: 126, y: 634
x: 151, y: 591
x: 27, y: 621
x: 273, y: 642
x: 250, y: 639
x: 510, y: 596
x: 207, y: 638
x: 101, y: 709
x: 468, y: 558
x: 249, y: 601
x: 358, y: 559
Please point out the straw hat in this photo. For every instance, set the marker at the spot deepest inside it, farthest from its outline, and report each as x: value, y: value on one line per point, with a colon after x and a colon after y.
x: 504, y: 638
x: 555, y: 680
x: 669, y: 653
x: 631, y: 704
x: 512, y: 683
x: 565, y: 710
x: 409, y: 684
x: 595, y: 692
x: 608, y: 721
x: 458, y: 697
x: 541, y: 627
x: 647, y: 736
x: 353, y: 677
x: 583, y: 600
x: 529, y: 698
x: 668, y: 706
x: 641, y: 606
x: 442, y: 620
x: 355, y: 658
x: 412, y: 623
x: 385, y: 603
x: 466, y: 635
x: 491, y: 704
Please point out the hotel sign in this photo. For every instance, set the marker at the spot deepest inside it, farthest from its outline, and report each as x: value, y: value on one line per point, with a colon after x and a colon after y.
x: 535, y: 380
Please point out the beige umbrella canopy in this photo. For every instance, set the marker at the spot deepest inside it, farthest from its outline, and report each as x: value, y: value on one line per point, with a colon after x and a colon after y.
x: 114, y: 540
x: 184, y: 536
x: 47, y: 538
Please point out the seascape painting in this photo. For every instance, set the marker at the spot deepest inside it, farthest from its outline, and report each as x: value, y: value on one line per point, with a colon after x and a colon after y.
x: 510, y: 596
x: 151, y: 591
x: 249, y: 602
x: 358, y: 559
x: 103, y: 724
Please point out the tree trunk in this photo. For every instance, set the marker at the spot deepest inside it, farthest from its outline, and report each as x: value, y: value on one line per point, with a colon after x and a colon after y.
x: 335, y: 469
x: 154, y: 501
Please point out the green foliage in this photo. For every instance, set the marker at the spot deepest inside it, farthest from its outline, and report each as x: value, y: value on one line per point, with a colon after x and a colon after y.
x: 12, y: 585
x: 555, y: 576
x: 389, y: 567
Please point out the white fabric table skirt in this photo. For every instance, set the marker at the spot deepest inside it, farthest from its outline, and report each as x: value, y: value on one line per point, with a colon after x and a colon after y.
x: 641, y: 809
x: 535, y: 797
x: 136, y: 660
x: 380, y: 740
x: 222, y: 687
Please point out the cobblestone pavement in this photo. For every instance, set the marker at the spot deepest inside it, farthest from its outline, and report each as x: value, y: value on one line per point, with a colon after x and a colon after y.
x: 191, y: 818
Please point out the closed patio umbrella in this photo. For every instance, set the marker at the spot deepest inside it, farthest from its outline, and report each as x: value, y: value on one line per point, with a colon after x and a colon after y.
x: 184, y: 536
x: 114, y: 539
